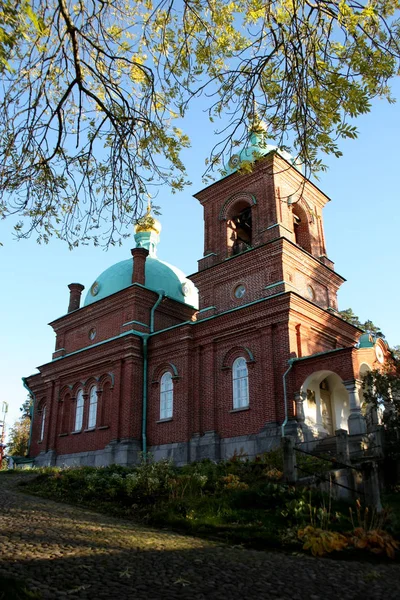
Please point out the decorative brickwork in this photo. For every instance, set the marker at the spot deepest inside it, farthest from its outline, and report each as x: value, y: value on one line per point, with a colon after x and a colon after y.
x: 267, y: 293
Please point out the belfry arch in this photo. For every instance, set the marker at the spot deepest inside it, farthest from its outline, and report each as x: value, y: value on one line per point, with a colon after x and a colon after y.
x: 301, y: 227
x: 237, y: 213
x: 239, y: 228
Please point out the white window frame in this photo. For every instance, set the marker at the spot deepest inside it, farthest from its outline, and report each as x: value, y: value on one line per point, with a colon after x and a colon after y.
x: 42, y: 423
x: 240, y: 383
x: 166, y: 396
x: 80, y: 405
x: 92, y: 408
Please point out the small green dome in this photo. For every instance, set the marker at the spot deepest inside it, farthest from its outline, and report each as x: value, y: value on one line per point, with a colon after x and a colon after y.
x: 256, y: 148
x: 159, y: 277
x: 366, y: 341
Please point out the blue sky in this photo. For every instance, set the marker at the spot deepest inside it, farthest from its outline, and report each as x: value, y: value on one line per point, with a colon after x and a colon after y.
x: 362, y: 229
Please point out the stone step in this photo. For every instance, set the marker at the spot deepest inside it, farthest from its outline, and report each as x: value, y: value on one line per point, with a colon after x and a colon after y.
x: 326, y: 446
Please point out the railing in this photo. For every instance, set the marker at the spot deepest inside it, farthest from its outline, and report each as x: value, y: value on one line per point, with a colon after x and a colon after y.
x: 358, y: 480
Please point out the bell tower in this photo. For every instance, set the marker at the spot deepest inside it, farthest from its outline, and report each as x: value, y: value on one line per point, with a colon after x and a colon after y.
x: 264, y: 234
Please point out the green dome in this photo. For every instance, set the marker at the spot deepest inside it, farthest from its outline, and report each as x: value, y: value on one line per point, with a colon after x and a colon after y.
x: 256, y: 148
x: 366, y: 341
x: 159, y: 277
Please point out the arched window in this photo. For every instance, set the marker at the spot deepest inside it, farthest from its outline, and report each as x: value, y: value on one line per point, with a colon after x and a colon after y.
x: 79, y: 411
x: 92, y: 407
x: 43, y: 422
x: 166, y: 396
x: 240, y: 379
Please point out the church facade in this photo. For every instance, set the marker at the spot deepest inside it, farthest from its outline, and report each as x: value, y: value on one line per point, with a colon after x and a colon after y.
x: 248, y: 348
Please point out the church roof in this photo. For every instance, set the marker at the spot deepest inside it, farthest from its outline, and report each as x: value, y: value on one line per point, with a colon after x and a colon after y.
x: 159, y: 277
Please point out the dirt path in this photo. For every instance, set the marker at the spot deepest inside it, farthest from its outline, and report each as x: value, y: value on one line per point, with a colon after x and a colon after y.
x: 64, y: 551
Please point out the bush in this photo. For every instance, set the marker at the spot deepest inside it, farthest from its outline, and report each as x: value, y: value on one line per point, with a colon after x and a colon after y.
x: 239, y: 500
x: 320, y: 541
x: 187, y: 485
x: 149, y: 481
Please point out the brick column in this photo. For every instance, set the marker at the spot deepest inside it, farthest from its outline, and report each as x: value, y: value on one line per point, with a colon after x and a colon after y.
x: 52, y: 440
x: 116, y: 401
x: 139, y: 264
x: 49, y: 416
x: 75, y: 291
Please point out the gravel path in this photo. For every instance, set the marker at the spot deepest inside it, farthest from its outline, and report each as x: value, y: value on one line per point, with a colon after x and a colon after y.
x: 68, y: 552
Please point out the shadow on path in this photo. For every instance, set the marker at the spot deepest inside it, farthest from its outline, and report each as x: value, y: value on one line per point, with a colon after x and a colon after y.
x: 64, y: 551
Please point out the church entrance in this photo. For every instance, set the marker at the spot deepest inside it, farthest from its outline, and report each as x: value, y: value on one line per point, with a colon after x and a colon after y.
x: 325, y: 404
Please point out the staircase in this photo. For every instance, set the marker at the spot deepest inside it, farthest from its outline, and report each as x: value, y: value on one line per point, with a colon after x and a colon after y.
x: 326, y: 446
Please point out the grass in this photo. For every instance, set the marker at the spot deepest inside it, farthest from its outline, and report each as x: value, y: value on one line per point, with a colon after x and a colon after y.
x: 239, y: 501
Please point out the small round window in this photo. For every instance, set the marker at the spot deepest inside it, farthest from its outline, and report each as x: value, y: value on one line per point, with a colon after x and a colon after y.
x: 92, y: 334
x: 234, y: 161
x: 185, y: 288
x: 94, y: 290
x: 240, y: 291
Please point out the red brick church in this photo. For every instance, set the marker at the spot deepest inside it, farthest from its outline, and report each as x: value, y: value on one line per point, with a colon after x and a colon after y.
x: 246, y: 349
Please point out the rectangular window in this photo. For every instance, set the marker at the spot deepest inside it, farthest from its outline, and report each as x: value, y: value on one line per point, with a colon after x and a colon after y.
x: 92, y: 408
x: 79, y: 411
x: 166, y: 396
x: 240, y: 383
x: 166, y: 405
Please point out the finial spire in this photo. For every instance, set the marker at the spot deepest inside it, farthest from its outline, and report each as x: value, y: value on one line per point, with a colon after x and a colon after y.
x: 147, y: 231
x: 257, y: 125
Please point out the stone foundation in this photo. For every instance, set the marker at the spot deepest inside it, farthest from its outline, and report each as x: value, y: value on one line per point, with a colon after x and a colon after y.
x: 124, y: 452
x: 200, y: 447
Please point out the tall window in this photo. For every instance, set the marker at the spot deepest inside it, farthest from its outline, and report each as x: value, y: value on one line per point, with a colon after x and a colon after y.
x: 42, y: 423
x: 166, y: 396
x: 79, y: 411
x: 92, y: 407
x: 240, y: 383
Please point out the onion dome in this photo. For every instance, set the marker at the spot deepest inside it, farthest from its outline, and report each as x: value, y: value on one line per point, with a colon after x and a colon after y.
x: 160, y: 276
x: 255, y: 148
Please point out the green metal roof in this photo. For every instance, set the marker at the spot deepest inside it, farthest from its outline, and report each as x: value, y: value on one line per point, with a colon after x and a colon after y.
x: 255, y: 149
x: 159, y: 277
x: 366, y: 341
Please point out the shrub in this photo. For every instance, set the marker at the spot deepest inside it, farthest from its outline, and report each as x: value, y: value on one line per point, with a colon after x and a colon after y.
x: 320, y: 541
x: 187, y: 485
x: 274, y: 474
x: 272, y: 459
x: 376, y: 541
x: 149, y: 480
x: 368, y: 533
x: 232, y: 482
